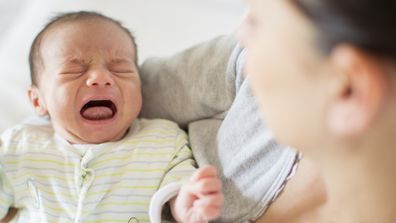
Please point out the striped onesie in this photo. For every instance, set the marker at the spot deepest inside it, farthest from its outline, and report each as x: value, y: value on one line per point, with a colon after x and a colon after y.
x: 50, y: 180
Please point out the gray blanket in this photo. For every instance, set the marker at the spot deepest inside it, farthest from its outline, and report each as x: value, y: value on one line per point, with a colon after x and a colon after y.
x: 204, y: 90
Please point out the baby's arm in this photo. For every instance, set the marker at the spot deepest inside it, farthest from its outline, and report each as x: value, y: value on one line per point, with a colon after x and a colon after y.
x: 200, y: 199
x: 6, y: 197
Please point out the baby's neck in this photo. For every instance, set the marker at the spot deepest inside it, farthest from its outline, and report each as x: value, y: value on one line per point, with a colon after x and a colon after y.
x: 75, y: 140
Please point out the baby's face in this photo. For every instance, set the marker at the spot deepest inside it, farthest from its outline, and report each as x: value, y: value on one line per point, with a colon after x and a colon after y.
x: 89, y: 84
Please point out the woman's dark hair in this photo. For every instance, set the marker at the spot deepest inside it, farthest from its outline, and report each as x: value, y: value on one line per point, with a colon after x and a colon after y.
x: 367, y: 24
x: 35, y: 60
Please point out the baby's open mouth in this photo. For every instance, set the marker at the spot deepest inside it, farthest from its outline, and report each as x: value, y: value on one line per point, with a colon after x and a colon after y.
x: 97, y: 110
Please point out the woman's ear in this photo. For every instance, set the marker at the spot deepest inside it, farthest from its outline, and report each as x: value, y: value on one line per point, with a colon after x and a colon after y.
x: 362, y: 90
x: 37, y: 101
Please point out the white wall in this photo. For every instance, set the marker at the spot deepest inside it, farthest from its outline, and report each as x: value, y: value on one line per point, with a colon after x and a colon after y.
x: 162, y: 27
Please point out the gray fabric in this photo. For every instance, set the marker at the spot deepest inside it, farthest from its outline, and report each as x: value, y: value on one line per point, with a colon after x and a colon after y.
x: 190, y: 85
x: 204, y: 90
x: 253, y: 164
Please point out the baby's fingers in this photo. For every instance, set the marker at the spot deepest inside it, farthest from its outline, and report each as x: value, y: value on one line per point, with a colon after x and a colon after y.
x: 204, y: 172
x: 212, y: 200
x: 206, y: 186
x: 209, y: 207
x: 209, y: 213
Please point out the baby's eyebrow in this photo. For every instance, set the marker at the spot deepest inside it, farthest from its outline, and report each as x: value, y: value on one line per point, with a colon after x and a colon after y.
x: 120, y: 60
x: 75, y: 60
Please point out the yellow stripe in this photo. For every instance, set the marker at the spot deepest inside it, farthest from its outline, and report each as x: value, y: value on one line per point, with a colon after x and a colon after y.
x: 41, y: 161
x: 150, y: 141
x: 68, y: 194
x: 51, y: 194
x: 4, y: 201
x: 58, y: 211
x: 128, y: 158
x: 132, y: 158
x: 132, y: 170
x: 168, y: 129
x: 93, y: 194
x: 46, y: 178
x: 145, y: 219
x: 151, y: 188
x: 141, y: 187
x: 149, y: 153
x: 63, y: 178
x: 142, y: 204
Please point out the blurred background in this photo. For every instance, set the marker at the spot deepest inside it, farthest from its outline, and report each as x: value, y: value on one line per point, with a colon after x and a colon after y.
x: 161, y: 27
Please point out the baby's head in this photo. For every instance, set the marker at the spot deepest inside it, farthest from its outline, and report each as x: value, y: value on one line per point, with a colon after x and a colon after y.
x: 85, y: 77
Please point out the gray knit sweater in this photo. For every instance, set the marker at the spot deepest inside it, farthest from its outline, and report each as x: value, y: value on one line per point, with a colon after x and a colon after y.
x: 204, y: 89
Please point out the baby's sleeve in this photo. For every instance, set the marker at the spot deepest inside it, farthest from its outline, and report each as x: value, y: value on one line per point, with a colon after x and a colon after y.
x: 183, y: 164
x: 179, y: 170
x: 6, y: 192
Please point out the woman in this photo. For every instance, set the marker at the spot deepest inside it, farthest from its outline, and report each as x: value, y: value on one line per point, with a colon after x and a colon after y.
x: 325, y: 72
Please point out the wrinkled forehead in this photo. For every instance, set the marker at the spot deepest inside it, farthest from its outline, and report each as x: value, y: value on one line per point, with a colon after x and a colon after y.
x: 87, y: 37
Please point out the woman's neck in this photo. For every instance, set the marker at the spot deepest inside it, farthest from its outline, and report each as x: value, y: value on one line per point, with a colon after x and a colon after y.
x: 360, y: 185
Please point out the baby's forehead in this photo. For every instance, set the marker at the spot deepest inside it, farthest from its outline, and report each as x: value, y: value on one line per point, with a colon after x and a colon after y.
x: 94, y: 25
x: 76, y: 40
x: 98, y: 27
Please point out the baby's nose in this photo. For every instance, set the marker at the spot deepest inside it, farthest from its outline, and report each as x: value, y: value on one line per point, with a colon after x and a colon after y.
x: 100, y: 78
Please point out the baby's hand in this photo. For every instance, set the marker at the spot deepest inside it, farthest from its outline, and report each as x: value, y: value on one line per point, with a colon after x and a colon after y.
x: 200, y: 199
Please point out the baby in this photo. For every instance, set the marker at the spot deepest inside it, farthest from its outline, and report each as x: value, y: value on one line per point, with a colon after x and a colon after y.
x: 95, y: 161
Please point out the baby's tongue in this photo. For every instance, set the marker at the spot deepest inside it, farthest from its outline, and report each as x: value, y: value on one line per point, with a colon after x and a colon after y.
x: 97, y: 113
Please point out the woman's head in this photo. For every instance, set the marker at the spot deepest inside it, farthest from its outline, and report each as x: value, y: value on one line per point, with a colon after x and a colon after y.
x: 322, y: 69
x: 366, y: 24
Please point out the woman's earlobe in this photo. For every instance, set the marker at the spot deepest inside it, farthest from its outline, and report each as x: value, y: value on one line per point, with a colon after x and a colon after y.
x: 361, y: 97
x: 36, y: 101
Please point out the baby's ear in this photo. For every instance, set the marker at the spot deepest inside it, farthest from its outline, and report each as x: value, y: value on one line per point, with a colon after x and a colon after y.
x: 37, y: 101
